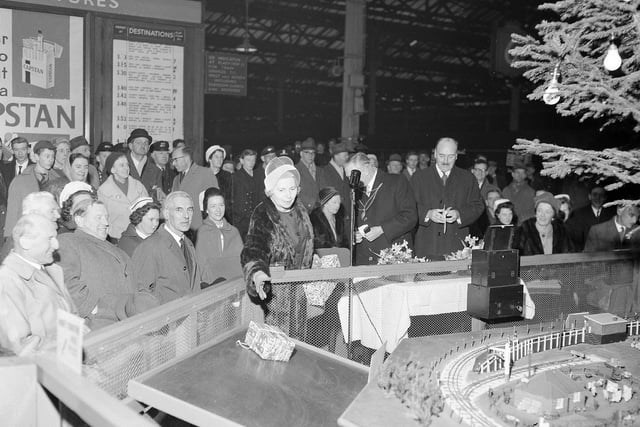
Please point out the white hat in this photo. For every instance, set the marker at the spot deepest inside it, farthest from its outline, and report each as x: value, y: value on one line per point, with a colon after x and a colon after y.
x: 499, y: 202
x: 71, y: 188
x: 213, y: 149
x: 562, y: 196
x: 275, y: 169
x: 140, y: 202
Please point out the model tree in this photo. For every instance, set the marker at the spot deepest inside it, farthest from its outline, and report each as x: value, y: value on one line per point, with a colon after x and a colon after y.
x: 586, y: 62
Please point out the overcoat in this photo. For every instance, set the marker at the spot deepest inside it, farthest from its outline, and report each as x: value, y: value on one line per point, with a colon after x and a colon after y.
x: 196, y: 180
x: 460, y: 193
x: 118, y: 203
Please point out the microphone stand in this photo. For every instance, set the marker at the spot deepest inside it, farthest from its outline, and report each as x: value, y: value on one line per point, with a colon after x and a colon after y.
x: 350, y: 281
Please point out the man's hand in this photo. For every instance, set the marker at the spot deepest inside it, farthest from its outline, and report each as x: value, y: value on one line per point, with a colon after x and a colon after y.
x: 259, y: 278
x: 374, y: 233
x: 435, y: 215
x: 452, y: 215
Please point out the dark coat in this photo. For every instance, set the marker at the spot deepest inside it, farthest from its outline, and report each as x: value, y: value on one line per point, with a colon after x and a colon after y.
x: 129, y: 240
x: 323, y: 235
x: 308, y: 194
x: 268, y: 243
x: 246, y: 196
x: 582, y: 220
x: 215, y: 260
x: 461, y: 193
x: 166, y: 176
x: 197, y: 180
x: 225, y: 181
x: 99, y: 276
x: 160, y: 267
x: 151, y: 176
x: 527, y: 239
x: 8, y: 170
x: 393, y: 208
x: 328, y: 176
x: 605, y: 237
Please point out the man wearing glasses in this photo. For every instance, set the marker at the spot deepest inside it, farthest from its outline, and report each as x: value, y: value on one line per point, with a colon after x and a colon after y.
x: 193, y: 179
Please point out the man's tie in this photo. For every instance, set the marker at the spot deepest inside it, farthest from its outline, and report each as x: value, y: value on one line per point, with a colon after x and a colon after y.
x: 187, y: 255
x: 181, y: 177
x: 19, y: 169
x: 623, y: 231
x: 444, y: 179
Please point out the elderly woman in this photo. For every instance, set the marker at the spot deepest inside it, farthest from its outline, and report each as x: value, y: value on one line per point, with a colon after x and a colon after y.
x: 63, y: 149
x: 280, y: 233
x: 99, y: 276
x: 328, y: 221
x: 544, y: 233
x: 144, y: 221
x: 219, y: 244
x: 118, y: 192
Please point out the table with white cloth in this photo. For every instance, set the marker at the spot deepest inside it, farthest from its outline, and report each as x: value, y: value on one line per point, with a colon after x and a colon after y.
x: 387, y: 308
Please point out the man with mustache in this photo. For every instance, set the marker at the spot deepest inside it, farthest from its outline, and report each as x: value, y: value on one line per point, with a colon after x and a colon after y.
x: 448, y: 201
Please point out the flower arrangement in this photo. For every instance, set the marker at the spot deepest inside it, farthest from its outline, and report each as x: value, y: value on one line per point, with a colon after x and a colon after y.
x: 469, y: 244
x: 398, y: 253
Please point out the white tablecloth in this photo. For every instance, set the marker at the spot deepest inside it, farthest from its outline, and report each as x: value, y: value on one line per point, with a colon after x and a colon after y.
x: 389, y: 307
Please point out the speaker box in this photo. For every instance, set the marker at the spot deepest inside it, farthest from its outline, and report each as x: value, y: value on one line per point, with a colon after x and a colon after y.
x: 495, y: 268
x: 497, y: 302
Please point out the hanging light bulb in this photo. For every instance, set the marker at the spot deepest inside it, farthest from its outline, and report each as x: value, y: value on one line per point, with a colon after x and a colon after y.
x: 612, y: 60
x: 246, y: 46
x: 550, y: 96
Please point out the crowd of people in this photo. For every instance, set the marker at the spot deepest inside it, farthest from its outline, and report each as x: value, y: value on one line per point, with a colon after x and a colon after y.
x: 147, y: 224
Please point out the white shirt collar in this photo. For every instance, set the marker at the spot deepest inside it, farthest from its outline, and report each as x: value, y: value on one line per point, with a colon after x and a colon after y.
x: 31, y: 263
x: 373, y: 179
x: 139, y: 164
x: 440, y: 172
x: 174, y: 235
x: 595, y: 211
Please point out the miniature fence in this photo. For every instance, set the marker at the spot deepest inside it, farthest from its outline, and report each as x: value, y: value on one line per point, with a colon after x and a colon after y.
x: 384, y: 303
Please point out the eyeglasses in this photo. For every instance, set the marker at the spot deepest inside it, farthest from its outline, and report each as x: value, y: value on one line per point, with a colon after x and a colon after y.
x: 175, y: 159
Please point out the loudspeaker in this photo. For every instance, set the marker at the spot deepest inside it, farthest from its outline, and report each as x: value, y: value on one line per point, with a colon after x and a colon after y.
x: 495, y: 268
x: 498, y: 302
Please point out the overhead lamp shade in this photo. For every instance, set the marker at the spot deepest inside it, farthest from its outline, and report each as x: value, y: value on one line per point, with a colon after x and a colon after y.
x: 246, y: 46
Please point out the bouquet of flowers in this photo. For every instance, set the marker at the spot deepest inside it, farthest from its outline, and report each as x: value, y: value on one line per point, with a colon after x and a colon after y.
x: 398, y: 253
x: 470, y: 243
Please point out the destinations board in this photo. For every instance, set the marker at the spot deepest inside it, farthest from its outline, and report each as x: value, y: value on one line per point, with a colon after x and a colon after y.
x: 226, y: 74
x: 148, y: 82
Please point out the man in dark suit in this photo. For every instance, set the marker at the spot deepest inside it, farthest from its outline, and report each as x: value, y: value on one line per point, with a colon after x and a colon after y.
x: 617, y: 233
x: 246, y: 191
x: 165, y: 263
x: 385, y: 210
x: 448, y: 201
x: 583, y: 219
x: 333, y: 175
x: 159, y: 154
x: 19, y: 162
x: 308, y: 194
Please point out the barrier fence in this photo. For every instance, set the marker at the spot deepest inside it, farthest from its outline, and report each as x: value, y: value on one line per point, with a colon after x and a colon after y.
x: 365, y: 307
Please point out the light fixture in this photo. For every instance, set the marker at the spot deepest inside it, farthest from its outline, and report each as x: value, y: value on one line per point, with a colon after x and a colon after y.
x: 612, y: 60
x: 550, y: 96
x: 246, y: 46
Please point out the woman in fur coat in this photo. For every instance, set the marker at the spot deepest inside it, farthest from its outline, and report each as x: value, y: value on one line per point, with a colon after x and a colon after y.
x: 280, y: 233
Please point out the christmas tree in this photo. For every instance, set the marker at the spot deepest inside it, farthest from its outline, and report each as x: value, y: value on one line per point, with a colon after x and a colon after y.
x: 586, y: 62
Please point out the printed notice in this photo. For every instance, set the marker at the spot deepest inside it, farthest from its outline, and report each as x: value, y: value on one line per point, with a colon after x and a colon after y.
x: 148, y: 82
x: 70, y: 331
x: 226, y: 74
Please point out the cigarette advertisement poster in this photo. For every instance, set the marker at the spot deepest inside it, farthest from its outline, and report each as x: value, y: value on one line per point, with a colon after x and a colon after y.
x: 41, y: 75
x: 148, y: 81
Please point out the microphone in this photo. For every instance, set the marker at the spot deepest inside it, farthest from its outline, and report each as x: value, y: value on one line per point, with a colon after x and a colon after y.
x: 354, y: 179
